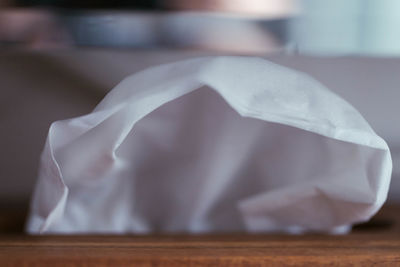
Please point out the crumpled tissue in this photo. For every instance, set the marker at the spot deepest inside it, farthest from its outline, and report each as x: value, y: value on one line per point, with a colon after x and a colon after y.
x: 212, y: 144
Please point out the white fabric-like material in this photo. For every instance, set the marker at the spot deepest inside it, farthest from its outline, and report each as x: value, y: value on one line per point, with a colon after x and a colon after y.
x: 212, y: 144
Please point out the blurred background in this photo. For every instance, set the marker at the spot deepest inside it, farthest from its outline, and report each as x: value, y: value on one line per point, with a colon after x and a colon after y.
x: 362, y: 27
x: 59, y: 58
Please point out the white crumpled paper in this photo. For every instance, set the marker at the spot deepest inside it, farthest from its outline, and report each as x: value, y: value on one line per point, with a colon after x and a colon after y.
x: 212, y: 144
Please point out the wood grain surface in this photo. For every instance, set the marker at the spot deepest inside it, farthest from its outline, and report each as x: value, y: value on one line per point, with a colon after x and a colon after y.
x: 376, y: 243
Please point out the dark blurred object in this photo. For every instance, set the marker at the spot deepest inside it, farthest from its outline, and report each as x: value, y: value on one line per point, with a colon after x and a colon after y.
x: 201, y: 31
x: 240, y: 26
x: 32, y: 28
x: 92, y: 4
x: 270, y: 8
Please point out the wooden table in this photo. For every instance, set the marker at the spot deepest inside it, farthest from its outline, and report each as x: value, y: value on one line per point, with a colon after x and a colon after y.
x: 376, y: 243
